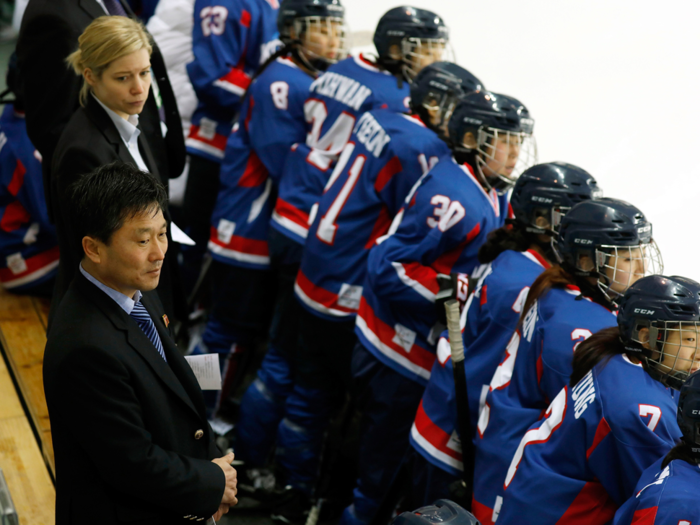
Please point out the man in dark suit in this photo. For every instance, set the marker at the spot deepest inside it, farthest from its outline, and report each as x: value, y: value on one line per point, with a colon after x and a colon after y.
x: 49, y: 33
x: 131, y: 439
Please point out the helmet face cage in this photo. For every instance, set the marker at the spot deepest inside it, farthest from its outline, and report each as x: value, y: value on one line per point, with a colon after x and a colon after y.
x: 442, y: 105
x: 499, y: 151
x: 558, y: 213
x: 619, y: 267
x: 420, y: 52
x: 673, y: 352
x: 312, y: 50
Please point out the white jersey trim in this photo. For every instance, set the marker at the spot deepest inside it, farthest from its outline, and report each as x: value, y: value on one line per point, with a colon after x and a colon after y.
x: 437, y: 454
x: 32, y: 276
x: 316, y: 306
x: 231, y: 88
x: 532, y: 258
x: 411, y: 283
x: 292, y: 226
x: 389, y: 352
x: 262, y: 260
x: 206, y: 148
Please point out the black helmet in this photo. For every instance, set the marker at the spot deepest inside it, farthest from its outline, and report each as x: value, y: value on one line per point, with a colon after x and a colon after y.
x: 442, y: 512
x: 484, y: 118
x: 688, y: 415
x: 608, y: 231
x: 550, y: 190
x: 409, y: 28
x: 435, y: 91
x: 664, y: 306
x: 303, y: 14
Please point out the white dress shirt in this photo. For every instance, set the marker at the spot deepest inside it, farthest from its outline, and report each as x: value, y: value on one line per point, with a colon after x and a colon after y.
x: 129, y: 133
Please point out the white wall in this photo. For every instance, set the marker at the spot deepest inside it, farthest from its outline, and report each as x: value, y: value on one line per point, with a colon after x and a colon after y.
x: 612, y: 84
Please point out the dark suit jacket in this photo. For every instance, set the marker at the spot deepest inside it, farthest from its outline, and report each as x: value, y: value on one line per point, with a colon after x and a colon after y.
x: 90, y: 140
x: 126, y: 424
x: 49, y: 33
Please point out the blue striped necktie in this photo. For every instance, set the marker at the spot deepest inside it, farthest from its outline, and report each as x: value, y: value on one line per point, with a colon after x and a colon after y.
x: 143, y: 319
x: 114, y: 7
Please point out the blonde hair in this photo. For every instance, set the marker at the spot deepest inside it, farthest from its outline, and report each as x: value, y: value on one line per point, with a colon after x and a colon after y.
x: 105, y: 40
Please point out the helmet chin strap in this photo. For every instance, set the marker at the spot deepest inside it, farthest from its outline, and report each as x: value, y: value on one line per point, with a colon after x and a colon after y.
x: 589, y: 290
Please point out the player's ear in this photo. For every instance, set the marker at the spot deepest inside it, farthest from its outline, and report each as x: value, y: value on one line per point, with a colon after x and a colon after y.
x: 395, y: 52
x: 469, y: 140
x: 585, y: 263
x: 542, y: 222
x: 644, y: 337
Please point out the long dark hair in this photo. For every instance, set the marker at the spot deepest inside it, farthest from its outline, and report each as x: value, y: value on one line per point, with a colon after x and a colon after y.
x: 682, y: 451
x: 509, y: 237
x: 553, y: 277
x: 600, y: 347
x: 281, y: 52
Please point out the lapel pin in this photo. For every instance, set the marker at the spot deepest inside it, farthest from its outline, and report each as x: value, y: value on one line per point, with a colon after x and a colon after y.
x: 166, y: 320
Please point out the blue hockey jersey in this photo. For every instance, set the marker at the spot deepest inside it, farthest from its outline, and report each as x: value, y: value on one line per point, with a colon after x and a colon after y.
x: 667, y: 496
x: 256, y: 152
x: 583, y: 460
x: 230, y: 40
x: 387, y: 154
x: 535, y: 367
x: 488, y: 321
x: 28, y: 242
x: 441, y: 229
x: 336, y: 100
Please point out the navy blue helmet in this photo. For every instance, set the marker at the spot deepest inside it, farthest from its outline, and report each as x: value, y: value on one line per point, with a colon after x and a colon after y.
x: 494, y: 134
x: 550, y: 190
x: 442, y: 512
x: 435, y: 91
x: 688, y: 415
x: 662, y: 313
x: 609, y: 239
x: 296, y: 17
x: 410, y: 29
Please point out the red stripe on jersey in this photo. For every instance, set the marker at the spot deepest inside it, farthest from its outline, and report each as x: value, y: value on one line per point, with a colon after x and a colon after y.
x: 381, y: 226
x: 241, y: 244
x: 246, y: 122
x: 297, y: 216
x: 540, y: 369
x: 482, y: 512
x: 390, y: 169
x: 511, y: 213
x: 245, y: 18
x: 592, y: 506
x: 34, y: 264
x: 600, y: 433
x: 255, y: 172
x: 218, y: 141
x: 320, y: 295
x: 434, y: 434
x: 17, y: 179
x: 237, y: 77
x: 447, y: 260
x: 424, y: 275
x: 644, y: 516
x: 417, y: 355
x: 539, y: 258
x: 483, y: 295
x: 14, y: 217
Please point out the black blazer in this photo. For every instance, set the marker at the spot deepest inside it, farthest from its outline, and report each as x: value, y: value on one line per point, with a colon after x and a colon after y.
x: 49, y: 33
x: 130, y: 433
x: 90, y: 140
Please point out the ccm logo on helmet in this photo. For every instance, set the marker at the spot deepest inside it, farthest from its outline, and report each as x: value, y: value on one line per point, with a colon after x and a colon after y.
x: 644, y: 229
x: 545, y: 200
x: 696, y: 412
x: 643, y: 311
x: 583, y: 241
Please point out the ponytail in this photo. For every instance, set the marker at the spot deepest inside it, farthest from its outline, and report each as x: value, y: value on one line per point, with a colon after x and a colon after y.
x: 553, y: 277
x: 281, y: 52
x: 599, y: 347
x: 509, y: 237
x: 682, y: 451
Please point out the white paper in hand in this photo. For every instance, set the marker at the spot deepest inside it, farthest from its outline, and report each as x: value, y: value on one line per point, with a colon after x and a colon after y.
x: 206, y: 370
x: 179, y: 236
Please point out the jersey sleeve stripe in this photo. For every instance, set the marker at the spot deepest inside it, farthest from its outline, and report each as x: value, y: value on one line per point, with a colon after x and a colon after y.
x: 381, y: 226
x: 318, y: 298
x: 418, y: 277
x: 255, y: 172
x: 381, y: 336
x: 235, y: 81
x: 390, y: 169
x: 17, y: 179
x: 433, y: 440
x: 292, y: 213
x: 447, y: 260
x: 601, y: 432
x: 37, y: 266
x: 644, y: 516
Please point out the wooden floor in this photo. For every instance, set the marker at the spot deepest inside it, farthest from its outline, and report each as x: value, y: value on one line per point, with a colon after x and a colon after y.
x: 23, y: 460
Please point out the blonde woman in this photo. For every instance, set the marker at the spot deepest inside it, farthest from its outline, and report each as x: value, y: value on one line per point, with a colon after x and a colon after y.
x: 113, y: 58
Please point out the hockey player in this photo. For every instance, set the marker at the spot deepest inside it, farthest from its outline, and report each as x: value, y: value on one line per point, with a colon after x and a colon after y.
x: 407, y: 39
x: 604, y: 245
x: 271, y: 121
x: 666, y: 494
x: 28, y: 243
x: 511, y: 259
x: 387, y: 154
x: 230, y: 40
x: 615, y: 417
x: 439, y: 231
